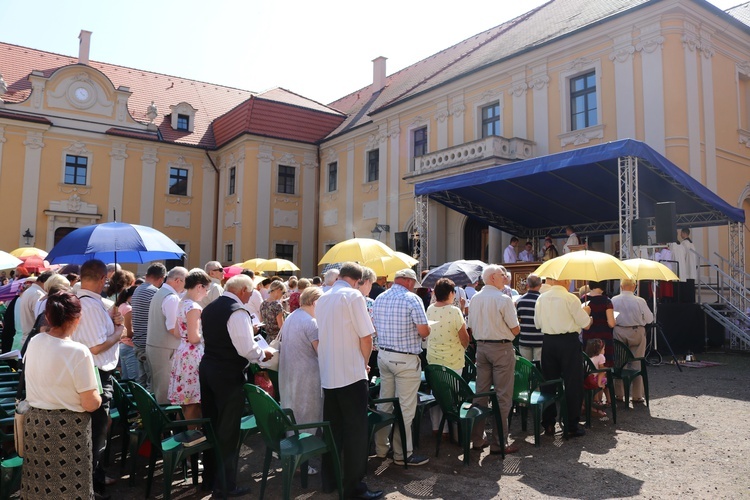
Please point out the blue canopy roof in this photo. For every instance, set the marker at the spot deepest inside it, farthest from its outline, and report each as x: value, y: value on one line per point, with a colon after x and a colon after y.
x: 579, y: 187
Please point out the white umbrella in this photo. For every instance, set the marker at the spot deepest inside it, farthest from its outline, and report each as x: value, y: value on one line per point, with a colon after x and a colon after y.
x: 7, y: 261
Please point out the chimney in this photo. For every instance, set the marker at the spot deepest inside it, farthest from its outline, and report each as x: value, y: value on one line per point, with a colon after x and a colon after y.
x: 84, y: 46
x: 378, y: 72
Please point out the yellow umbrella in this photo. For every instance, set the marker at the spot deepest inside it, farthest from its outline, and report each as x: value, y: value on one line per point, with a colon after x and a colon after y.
x: 356, y: 250
x: 389, y: 264
x: 645, y: 269
x: 252, y: 264
x: 584, y: 265
x: 277, y: 266
x: 29, y: 252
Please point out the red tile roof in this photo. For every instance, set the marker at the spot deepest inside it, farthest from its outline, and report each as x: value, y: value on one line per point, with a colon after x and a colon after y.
x: 211, y: 101
x: 23, y: 117
x: 280, y: 114
x: 134, y: 134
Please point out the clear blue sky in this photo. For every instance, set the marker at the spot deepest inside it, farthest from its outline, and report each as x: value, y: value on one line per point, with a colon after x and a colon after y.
x: 322, y: 50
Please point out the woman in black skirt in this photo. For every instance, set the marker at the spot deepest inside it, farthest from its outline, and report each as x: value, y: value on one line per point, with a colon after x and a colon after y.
x: 61, y: 389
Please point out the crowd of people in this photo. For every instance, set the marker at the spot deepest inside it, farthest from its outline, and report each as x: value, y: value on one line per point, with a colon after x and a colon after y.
x: 188, y: 337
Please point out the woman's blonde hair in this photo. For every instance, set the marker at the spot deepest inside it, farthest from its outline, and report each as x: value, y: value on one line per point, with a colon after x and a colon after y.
x: 310, y: 295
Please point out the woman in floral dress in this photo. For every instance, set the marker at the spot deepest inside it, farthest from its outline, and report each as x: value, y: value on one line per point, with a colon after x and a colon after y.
x: 271, y: 311
x: 184, y: 387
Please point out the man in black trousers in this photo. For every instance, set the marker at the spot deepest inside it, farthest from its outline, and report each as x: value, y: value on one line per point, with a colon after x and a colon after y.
x: 229, y: 344
x: 558, y: 314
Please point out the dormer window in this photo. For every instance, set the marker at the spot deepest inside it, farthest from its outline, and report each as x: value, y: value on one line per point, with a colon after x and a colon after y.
x: 183, y: 117
x: 183, y: 122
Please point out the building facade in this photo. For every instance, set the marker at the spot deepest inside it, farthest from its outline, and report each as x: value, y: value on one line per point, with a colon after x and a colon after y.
x: 233, y: 174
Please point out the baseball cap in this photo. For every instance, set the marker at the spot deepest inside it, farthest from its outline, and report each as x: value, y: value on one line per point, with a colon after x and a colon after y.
x: 408, y: 273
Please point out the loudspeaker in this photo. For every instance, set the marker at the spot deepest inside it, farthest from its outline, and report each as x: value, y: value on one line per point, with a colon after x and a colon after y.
x: 640, y: 232
x: 402, y: 242
x: 666, y: 222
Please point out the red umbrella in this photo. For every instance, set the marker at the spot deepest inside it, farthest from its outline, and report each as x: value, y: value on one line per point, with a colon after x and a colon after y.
x: 35, y: 264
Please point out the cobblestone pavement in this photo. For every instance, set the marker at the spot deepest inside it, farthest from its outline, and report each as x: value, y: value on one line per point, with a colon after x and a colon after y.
x: 693, y: 441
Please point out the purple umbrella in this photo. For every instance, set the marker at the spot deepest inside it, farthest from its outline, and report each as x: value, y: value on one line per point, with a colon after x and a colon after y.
x: 7, y: 292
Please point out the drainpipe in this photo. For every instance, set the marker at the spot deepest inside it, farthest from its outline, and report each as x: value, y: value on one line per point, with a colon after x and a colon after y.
x: 216, y: 204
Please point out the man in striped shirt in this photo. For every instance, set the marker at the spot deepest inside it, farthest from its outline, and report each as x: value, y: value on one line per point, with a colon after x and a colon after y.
x: 100, y: 330
x: 141, y: 301
x: 530, y: 338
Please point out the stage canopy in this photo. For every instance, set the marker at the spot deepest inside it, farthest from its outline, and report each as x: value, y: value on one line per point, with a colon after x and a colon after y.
x: 581, y: 188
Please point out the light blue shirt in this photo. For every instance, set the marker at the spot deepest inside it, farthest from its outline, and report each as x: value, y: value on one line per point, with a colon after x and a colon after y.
x: 396, y: 313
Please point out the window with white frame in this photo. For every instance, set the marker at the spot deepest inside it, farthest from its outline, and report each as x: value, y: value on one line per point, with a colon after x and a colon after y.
x: 491, y: 119
x: 183, y: 122
x: 178, y: 181
x: 583, y: 101
x: 76, y: 169
x: 232, y: 180
x: 419, y: 141
x: 373, y: 166
x: 333, y: 176
x: 286, y: 179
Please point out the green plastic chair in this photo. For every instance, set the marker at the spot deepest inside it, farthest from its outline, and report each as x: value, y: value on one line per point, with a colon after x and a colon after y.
x: 455, y: 398
x: 167, y: 438
x: 11, y: 465
x: 274, y: 424
x: 527, y: 394
x: 121, y: 412
x: 378, y: 419
x: 623, y: 356
x: 588, y: 369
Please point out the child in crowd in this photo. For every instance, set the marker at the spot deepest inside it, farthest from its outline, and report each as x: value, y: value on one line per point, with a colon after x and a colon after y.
x: 595, y: 351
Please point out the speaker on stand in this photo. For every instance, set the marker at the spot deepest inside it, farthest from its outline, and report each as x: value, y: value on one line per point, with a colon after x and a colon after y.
x: 640, y: 232
x: 666, y: 222
x: 402, y: 242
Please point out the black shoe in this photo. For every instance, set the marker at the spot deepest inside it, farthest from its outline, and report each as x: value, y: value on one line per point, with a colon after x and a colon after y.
x: 236, y: 492
x: 368, y: 495
x: 579, y: 432
x: 101, y: 496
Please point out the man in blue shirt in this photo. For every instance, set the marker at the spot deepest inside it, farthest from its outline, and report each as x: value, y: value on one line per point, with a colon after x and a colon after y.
x: 401, y: 324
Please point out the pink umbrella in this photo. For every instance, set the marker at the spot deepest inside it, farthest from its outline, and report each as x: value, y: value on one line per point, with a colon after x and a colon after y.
x: 232, y: 270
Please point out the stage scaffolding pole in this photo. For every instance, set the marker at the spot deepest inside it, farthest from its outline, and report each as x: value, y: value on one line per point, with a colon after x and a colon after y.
x: 420, y: 237
x: 627, y: 172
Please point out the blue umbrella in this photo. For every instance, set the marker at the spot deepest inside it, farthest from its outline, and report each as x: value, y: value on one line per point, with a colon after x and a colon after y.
x: 461, y: 272
x: 114, y: 242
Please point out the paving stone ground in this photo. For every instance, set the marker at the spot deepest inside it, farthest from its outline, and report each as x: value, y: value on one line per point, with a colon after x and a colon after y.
x: 693, y: 441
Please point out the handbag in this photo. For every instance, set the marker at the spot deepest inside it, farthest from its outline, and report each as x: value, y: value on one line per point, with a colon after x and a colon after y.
x: 273, y: 363
x: 22, y: 407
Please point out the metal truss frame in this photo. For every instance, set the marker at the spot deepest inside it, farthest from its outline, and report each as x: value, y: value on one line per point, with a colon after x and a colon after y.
x: 421, y: 221
x: 627, y: 174
x: 738, y: 286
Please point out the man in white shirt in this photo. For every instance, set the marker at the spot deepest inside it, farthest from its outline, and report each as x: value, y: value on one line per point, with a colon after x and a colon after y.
x: 100, y: 330
x: 630, y: 329
x: 215, y: 271
x: 229, y: 345
x: 527, y: 255
x: 494, y: 325
x: 345, y: 343
x: 329, y: 278
x: 510, y: 256
x: 162, y: 338
x: 572, y: 239
x: 558, y: 314
x: 255, y: 300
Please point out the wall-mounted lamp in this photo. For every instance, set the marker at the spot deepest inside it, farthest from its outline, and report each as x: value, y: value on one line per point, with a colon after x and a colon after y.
x: 379, y: 228
x: 28, y: 236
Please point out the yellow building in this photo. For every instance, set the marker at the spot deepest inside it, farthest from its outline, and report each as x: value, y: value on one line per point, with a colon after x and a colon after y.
x: 233, y: 174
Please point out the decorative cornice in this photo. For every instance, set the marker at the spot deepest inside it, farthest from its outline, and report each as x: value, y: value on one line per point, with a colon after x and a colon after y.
x: 2, y: 135
x: 690, y: 41
x: 458, y: 109
x: 288, y: 159
x: 441, y: 115
x: 149, y: 155
x: 207, y: 166
x: 331, y: 155
x: 650, y: 45
x: 33, y: 140
x: 622, y: 54
x: 310, y: 161
x: 118, y: 151
x: 374, y: 140
x: 744, y: 68
x: 489, y: 95
x: 584, y: 136
x: 179, y: 163
x: 519, y: 89
x: 579, y: 64
x: 394, y: 131
x: 744, y: 137
x: 539, y: 82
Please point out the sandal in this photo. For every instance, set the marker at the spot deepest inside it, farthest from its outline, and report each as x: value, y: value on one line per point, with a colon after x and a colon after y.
x: 598, y: 413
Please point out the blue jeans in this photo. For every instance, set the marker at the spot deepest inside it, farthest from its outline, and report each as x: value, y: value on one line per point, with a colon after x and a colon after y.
x: 128, y: 363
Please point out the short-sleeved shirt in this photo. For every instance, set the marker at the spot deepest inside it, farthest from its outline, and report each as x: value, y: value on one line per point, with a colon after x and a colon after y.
x: 444, y: 345
x: 558, y: 311
x: 56, y: 372
x: 397, y: 312
x: 342, y: 321
x: 95, y: 328
x: 530, y: 335
x: 492, y: 315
